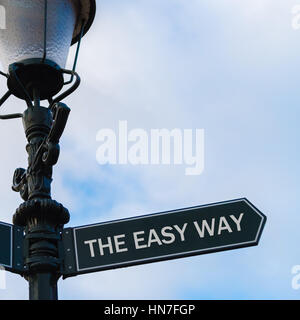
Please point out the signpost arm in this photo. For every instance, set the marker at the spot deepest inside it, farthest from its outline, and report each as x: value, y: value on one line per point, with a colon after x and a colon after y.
x: 191, y: 231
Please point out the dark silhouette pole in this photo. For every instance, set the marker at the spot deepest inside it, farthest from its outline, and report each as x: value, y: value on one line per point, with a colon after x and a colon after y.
x: 42, y: 217
x: 35, y: 73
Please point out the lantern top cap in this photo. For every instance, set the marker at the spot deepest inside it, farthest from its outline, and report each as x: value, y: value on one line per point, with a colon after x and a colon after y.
x: 87, y: 12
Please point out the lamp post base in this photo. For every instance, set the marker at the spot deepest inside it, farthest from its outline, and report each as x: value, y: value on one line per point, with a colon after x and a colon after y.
x: 44, y: 220
x: 42, y: 286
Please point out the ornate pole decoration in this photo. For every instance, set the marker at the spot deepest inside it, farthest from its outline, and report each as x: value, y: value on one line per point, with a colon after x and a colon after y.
x: 42, y: 217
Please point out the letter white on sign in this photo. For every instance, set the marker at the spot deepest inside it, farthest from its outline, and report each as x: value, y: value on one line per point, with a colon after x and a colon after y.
x: 167, y: 235
x: 90, y: 243
x: 210, y: 229
x: 119, y: 243
x: 224, y: 225
x: 153, y: 237
x: 137, y: 240
x: 181, y: 231
x: 237, y: 221
x: 103, y: 246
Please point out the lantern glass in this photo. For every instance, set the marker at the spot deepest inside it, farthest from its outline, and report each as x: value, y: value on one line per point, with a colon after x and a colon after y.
x: 24, y: 36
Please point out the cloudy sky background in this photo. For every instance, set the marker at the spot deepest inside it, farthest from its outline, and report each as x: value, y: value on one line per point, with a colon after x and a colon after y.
x: 226, y: 66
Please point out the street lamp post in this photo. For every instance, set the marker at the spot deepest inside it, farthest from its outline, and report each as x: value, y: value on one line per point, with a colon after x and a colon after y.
x: 33, y: 50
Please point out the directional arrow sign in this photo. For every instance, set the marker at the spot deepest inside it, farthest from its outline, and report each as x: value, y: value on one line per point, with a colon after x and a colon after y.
x: 162, y: 236
x: 11, y: 247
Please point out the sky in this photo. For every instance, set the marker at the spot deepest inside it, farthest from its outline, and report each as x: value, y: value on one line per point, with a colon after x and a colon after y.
x: 228, y: 67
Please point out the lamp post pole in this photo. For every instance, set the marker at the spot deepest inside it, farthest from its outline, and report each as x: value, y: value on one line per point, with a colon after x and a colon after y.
x: 42, y: 217
x: 36, y: 73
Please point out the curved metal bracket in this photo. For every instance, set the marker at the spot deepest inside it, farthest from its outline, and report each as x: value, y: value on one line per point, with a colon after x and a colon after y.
x: 5, y: 97
x: 70, y: 90
x: 3, y: 100
x: 53, y: 102
x: 11, y: 116
x: 8, y: 116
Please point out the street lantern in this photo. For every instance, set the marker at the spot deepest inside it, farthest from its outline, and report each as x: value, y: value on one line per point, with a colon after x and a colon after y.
x: 35, y: 43
x: 33, y: 51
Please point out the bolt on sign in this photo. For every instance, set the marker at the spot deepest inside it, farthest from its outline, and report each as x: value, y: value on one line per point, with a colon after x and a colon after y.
x: 162, y: 236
